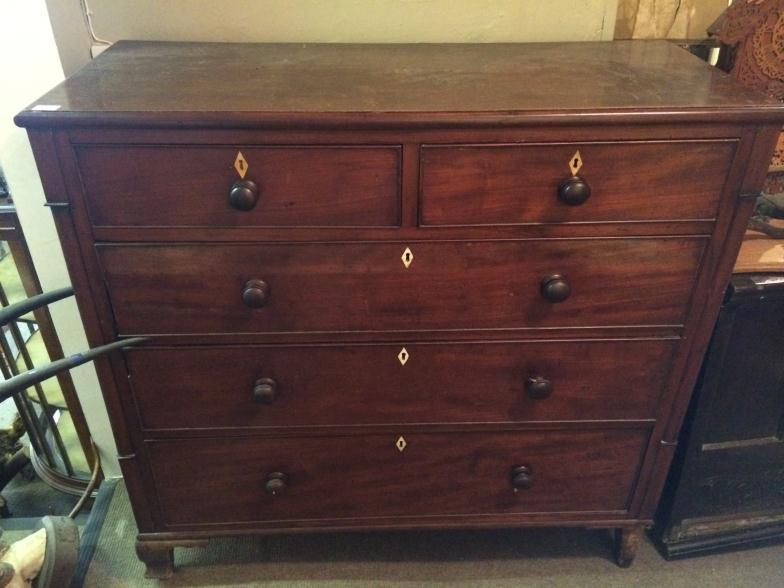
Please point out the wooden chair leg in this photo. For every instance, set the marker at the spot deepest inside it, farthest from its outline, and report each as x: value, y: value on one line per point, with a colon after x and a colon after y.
x: 627, y: 542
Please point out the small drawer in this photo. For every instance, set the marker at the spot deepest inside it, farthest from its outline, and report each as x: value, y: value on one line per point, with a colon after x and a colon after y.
x: 326, y: 480
x: 194, y: 186
x: 375, y: 384
x: 333, y: 287
x: 548, y: 183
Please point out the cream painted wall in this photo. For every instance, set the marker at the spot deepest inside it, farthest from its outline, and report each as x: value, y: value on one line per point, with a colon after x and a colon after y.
x: 29, y: 66
x: 355, y: 21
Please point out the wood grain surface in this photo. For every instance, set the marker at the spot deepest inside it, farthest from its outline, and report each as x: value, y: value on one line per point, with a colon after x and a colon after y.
x: 365, y: 286
x: 354, y: 477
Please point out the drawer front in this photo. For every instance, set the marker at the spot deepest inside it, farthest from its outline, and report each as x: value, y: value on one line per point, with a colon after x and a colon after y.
x: 366, y: 287
x: 503, y: 184
x: 190, y: 186
x: 367, y: 476
x: 328, y: 385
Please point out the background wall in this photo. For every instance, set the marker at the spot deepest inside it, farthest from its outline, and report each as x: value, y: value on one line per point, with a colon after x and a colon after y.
x: 671, y: 19
x: 30, y: 66
x: 357, y: 21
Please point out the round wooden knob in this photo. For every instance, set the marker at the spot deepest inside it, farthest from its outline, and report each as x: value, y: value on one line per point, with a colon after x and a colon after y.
x: 255, y: 293
x: 243, y: 195
x: 264, y: 390
x: 276, y: 483
x: 521, y: 478
x: 555, y: 288
x: 538, y: 388
x: 574, y: 191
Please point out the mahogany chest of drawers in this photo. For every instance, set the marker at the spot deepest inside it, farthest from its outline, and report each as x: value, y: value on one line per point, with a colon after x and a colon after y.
x: 398, y: 286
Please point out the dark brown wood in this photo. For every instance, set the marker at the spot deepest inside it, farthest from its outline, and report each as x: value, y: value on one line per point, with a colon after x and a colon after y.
x: 255, y: 293
x: 413, y: 85
x: 522, y: 184
x: 158, y: 555
x: 350, y: 478
x: 265, y: 390
x: 244, y: 195
x: 342, y: 287
x: 627, y: 543
x: 574, y: 191
x: 538, y: 387
x: 521, y: 478
x: 412, y: 157
x: 191, y: 186
x: 177, y: 388
x: 158, y: 559
x: 710, y: 286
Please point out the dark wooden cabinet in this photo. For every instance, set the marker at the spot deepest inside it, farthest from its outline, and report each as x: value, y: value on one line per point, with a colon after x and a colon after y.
x: 402, y: 286
x: 726, y: 487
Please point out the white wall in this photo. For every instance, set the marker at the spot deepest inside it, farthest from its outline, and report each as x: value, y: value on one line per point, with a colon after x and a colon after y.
x: 29, y: 66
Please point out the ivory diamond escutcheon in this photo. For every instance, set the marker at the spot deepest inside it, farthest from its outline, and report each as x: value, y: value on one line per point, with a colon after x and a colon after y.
x: 240, y: 164
x: 407, y: 257
x: 400, y: 444
x: 576, y: 162
x: 403, y: 356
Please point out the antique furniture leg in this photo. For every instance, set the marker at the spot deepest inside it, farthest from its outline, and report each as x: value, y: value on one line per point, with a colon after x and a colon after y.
x: 158, y: 556
x: 627, y: 540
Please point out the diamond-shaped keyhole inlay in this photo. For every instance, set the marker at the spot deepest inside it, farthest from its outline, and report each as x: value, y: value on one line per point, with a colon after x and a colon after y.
x: 240, y: 164
x: 407, y: 257
x: 575, y: 163
x: 403, y: 356
x: 400, y: 444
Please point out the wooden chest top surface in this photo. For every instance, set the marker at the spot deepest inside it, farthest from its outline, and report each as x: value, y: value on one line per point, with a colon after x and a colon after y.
x: 199, y: 83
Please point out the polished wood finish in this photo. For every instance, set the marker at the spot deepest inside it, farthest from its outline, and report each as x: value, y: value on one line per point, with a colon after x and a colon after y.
x: 158, y: 556
x: 354, y: 478
x: 342, y: 287
x: 358, y: 153
x: 519, y: 184
x: 628, y: 543
x: 176, y: 388
x: 192, y: 186
x: 432, y: 85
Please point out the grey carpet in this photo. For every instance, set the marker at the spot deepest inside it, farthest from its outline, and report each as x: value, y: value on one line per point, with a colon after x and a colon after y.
x: 527, y: 557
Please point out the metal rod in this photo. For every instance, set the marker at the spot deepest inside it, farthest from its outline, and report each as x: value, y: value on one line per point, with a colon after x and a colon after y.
x: 46, y: 409
x: 91, y: 484
x: 25, y: 411
x: 28, y: 378
x: 14, y: 311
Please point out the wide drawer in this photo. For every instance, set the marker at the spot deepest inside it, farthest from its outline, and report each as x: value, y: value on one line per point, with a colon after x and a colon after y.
x: 190, y: 185
x: 204, y: 288
x: 370, y: 477
x: 329, y: 385
x: 518, y: 184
